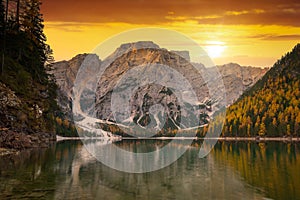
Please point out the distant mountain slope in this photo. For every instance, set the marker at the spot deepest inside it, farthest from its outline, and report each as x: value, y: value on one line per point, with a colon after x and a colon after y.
x: 237, y: 79
x: 272, y: 106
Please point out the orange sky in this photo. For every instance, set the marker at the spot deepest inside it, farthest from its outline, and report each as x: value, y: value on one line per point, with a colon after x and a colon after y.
x: 253, y: 33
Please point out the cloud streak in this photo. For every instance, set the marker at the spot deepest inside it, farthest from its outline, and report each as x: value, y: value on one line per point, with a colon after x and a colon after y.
x: 276, y: 37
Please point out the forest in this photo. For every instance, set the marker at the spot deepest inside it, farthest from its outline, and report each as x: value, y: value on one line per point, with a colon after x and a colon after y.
x: 271, y: 107
x: 23, y: 74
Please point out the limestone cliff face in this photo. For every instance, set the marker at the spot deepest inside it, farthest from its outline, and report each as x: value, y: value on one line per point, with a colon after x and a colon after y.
x: 65, y: 74
x: 236, y: 80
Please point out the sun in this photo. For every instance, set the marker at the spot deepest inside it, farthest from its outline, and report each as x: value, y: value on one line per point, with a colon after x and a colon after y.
x: 215, y: 49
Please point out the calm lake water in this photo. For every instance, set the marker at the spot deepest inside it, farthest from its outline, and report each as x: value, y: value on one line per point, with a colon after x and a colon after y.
x: 233, y: 170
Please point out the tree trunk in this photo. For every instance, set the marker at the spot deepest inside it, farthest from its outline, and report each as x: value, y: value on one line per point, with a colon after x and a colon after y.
x: 4, y: 36
x: 18, y: 15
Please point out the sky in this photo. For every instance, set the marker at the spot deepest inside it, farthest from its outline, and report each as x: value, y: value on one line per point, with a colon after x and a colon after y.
x: 255, y: 33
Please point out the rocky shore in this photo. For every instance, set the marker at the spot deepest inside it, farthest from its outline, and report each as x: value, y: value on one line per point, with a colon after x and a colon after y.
x: 11, y: 141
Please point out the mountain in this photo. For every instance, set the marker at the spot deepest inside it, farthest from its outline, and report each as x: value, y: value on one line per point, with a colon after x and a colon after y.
x: 272, y: 106
x: 236, y: 80
x: 147, y: 65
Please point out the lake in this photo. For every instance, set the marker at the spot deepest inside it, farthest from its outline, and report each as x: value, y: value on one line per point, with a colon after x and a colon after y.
x: 233, y: 170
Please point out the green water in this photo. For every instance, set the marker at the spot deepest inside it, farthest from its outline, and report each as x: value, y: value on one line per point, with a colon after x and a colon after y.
x: 233, y: 170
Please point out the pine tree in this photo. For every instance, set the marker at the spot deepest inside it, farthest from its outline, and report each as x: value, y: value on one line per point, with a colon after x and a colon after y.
x: 262, y: 129
x: 297, y: 126
x: 288, y: 130
x: 33, y: 22
x: 32, y: 25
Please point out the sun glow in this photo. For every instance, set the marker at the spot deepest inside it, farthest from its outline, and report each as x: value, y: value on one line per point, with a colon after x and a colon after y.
x: 215, y: 49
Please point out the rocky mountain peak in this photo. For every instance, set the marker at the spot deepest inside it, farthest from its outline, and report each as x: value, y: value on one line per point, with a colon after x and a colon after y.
x: 124, y: 48
x: 138, y: 45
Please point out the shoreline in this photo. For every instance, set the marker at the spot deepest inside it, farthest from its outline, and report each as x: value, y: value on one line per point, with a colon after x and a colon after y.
x: 257, y: 139
x: 289, y: 139
x: 11, y: 151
